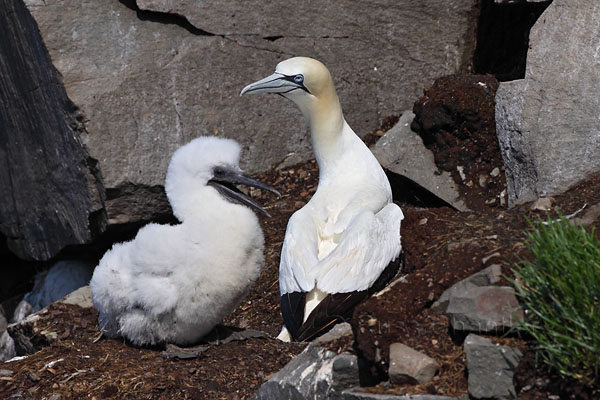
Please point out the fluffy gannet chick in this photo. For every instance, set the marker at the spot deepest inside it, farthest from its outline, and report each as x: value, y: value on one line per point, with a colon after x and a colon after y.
x: 174, y: 283
x: 345, y: 242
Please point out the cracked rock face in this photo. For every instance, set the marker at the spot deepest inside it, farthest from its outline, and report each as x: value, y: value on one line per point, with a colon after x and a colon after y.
x: 547, y: 123
x: 52, y: 193
x: 148, y: 82
x: 315, y: 374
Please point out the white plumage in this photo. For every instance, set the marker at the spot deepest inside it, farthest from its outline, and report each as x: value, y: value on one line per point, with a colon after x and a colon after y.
x: 348, y: 233
x: 174, y: 283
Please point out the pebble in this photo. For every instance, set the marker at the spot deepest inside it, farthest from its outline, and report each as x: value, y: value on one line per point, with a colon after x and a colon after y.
x: 543, y: 204
x: 34, y: 377
x: 461, y: 172
x: 482, y: 181
x: 495, y: 172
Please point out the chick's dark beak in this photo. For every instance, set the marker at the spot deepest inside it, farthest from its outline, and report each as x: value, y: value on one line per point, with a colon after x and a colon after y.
x: 226, y: 177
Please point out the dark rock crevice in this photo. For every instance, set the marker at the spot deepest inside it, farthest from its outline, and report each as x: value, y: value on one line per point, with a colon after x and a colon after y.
x: 165, y: 18
x: 503, y: 38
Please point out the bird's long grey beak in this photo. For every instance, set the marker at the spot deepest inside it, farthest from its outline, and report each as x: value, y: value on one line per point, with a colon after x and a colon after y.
x: 276, y: 83
x: 226, y: 177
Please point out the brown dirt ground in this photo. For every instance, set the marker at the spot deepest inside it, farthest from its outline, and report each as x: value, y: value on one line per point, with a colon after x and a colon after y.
x: 442, y: 247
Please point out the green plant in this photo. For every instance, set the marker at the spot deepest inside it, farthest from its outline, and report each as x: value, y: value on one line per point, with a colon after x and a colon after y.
x: 560, y: 292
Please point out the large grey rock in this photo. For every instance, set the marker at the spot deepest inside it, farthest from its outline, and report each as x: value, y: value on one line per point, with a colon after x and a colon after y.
x: 408, y: 365
x: 490, y: 368
x: 52, y: 194
x: 484, y: 309
x: 315, y: 374
x: 147, y: 85
x: 402, y: 151
x: 547, y: 123
x: 351, y: 394
x: 486, y: 277
x: 520, y: 1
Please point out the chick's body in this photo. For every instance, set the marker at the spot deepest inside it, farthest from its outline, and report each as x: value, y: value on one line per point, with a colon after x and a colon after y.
x: 174, y: 283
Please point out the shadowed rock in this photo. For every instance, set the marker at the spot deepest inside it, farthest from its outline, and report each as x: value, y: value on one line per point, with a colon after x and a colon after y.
x: 52, y: 190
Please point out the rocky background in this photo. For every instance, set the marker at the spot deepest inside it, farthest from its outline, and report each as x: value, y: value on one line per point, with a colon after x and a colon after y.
x: 96, y: 95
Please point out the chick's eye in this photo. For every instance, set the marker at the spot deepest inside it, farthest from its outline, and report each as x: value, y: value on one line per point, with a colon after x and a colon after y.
x: 299, y: 78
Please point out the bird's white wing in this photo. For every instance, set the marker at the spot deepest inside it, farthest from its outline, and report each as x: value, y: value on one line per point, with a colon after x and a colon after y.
x: 298, y: 254
x: 367, y: 245
x: 154, y: 256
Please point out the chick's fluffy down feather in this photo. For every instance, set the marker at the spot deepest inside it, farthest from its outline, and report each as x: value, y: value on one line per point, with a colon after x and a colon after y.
x: 174, y: 283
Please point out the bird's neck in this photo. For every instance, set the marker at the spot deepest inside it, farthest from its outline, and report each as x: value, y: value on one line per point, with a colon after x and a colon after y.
x: 327, y: 128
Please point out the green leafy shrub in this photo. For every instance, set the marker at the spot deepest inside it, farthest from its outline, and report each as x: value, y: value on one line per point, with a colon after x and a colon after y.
x: 560, y: 292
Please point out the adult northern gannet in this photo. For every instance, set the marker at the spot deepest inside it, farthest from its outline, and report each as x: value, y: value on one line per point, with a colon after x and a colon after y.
x: 345, y: 242
x: 174, y: 283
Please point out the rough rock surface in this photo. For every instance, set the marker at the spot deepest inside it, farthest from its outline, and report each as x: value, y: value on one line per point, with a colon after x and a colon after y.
x: 7, y: 347
x: 355, y: 395
x: 341, y: 330
x: 52, y: 191
x: 148, y: 82
x: 408, y: 364
x: 490, y: 368
x: 402, y: 151
x: 484, y: 309
x: 520, y: 1
x: 316, y: 373
x: 547, y: 123
x: 487, y: 277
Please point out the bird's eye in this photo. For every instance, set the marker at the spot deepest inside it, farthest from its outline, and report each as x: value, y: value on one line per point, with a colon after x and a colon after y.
x: 299, y: 78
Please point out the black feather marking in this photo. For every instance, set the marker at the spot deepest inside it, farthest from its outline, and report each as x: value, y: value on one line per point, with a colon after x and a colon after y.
x: 334, y: 308
x: 292, y: 311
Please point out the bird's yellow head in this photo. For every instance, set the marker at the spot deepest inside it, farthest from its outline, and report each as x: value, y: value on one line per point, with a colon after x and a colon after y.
x: 307, y: 82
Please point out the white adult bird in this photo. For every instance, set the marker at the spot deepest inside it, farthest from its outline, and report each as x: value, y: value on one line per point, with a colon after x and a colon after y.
x: 345, y: 242
x: 174, y: 283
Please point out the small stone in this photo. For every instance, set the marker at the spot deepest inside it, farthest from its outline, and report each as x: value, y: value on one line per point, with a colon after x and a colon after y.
x: 482, y: 181
x: 495, y: 172
x: 461, y: 172
x: 502, y: 197
x: 409, y: 365
x: 543, y: 204
x: 423, y: 221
